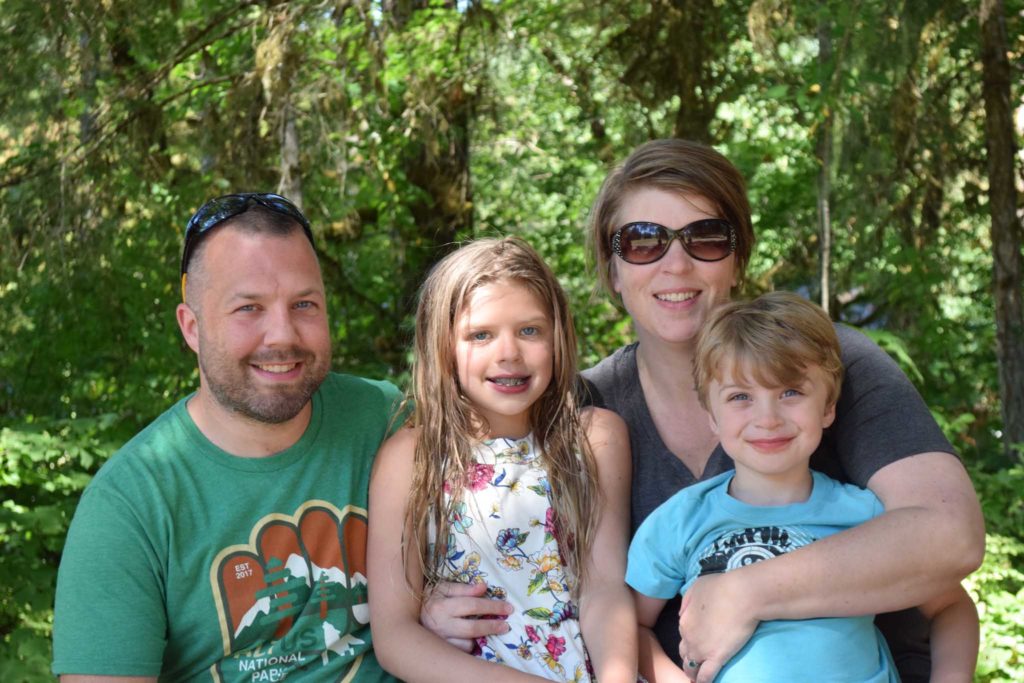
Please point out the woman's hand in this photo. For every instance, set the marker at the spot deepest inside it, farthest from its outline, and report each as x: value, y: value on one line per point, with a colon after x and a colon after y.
x: 460, y: 614
x: 714, y: 624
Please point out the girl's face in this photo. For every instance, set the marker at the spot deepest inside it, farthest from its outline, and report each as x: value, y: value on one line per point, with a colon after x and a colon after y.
x: 669, y: 299
x: 504, y: 355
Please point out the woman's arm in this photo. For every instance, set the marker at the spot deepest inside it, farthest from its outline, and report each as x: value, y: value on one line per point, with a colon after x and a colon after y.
x: 607, y: 616
x: 459, y: 613
x: 930, y: 536
x: 954, y: 636
x: 403, y: 647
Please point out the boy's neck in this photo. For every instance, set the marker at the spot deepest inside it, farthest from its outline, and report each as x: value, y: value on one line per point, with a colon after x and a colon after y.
x: 754, y: 488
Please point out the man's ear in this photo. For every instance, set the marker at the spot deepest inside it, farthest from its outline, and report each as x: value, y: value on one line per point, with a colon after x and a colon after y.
x: 189, y: 326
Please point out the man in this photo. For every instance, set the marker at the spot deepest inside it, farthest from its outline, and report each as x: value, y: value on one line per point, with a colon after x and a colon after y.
x: 227, y: 540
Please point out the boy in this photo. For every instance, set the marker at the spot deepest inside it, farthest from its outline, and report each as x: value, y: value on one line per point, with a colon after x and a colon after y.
x: 769, y: 372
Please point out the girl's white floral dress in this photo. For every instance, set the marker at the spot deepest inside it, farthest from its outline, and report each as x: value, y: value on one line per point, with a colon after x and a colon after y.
x: 502, y: 534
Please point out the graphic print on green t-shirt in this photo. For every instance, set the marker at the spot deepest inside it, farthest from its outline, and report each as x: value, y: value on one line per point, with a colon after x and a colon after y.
x: 295, y: 594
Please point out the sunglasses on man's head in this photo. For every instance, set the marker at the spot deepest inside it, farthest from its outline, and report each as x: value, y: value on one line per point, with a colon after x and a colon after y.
x: 216, y: 211
x: 642, y: 242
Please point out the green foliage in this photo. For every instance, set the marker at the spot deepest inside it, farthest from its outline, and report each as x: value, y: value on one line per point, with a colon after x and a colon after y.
x: 44, y: 465
x: 998, y: 587
x: 424, y: 123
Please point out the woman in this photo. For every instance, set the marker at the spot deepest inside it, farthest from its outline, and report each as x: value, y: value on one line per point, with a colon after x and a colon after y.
x: 671, y: 236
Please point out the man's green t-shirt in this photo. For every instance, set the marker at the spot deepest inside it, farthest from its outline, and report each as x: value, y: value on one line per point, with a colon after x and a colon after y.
x: 186, y: 562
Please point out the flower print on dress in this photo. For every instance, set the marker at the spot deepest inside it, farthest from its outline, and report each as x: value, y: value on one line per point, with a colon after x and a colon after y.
x: 555, y: 647
x: 542, y: 488
x: 509, y: 540
x: 553, y: 616
x: 549, y: 526
x: 469, y: 572
x: 497, y: 593
x: 505, y: 534
x: 484, y: 650
x: 538, y: 644
x: 508, y: 544
x: 561, y: 612
x: 516, y: 452
x: 479, y: 476
x: 458, y: 518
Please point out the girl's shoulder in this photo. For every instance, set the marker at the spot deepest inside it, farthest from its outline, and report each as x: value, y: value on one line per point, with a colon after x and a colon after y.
x: 404, y: 437
x: 398, y: 450
x: 600, y: 419
x: 605, y: 430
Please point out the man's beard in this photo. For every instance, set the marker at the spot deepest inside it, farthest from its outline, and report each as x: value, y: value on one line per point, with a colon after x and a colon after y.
x: 231, y: 385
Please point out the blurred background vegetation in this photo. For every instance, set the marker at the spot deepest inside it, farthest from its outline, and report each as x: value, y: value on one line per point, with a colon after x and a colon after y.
x: 879, y: 138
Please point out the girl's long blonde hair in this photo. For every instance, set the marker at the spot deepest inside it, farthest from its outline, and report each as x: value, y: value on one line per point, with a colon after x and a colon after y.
x: 449, y: 426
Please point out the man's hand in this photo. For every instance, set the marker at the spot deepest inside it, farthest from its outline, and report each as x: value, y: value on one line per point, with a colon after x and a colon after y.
x: 714, y: 623
x: 460, y: 614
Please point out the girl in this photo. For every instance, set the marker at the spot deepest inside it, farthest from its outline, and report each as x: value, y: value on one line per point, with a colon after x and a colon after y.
x: 502, y: 480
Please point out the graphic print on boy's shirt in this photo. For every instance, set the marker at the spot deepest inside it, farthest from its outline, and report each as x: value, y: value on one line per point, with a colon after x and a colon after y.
x: 744, y: 546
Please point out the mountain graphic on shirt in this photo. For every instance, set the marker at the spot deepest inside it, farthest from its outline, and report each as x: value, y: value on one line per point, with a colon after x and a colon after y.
x: 295, y: 595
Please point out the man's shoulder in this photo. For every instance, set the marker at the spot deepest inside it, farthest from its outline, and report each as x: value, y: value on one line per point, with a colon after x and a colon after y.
x: 363, y: 401
x: 155, y: 442
x: 356, y: 388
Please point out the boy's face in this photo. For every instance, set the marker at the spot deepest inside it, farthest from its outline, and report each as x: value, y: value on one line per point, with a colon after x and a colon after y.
x: 770, y: 432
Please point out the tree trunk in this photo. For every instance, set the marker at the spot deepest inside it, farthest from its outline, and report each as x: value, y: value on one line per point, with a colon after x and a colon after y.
x: 691, y: 33
x: 824, y: 153
x: 290, y: 184
x: 1006, y: 227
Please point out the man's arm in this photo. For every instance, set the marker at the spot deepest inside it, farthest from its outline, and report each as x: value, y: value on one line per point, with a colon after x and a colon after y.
x: 931, y: 535
x: 109, y: 614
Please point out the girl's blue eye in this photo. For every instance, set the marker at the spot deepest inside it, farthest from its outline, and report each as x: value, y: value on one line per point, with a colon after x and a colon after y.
x: 530, y: 331
x: 479, y: 336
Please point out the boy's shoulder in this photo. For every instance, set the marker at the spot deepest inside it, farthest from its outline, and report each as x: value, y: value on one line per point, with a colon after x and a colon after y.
x: 693, y: 496
x: 832, y: 492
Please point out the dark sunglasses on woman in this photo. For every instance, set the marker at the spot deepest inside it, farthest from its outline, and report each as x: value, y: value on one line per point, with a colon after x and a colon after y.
x: 642, y: 242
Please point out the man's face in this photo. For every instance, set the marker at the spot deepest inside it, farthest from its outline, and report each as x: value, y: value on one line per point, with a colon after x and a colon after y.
x: 261, y: 329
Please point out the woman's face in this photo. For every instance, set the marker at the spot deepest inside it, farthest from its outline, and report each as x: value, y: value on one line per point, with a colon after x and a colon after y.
x: 669, y: 299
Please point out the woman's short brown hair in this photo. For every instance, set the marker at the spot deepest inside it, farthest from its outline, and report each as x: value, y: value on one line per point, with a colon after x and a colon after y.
x: 681, y: 167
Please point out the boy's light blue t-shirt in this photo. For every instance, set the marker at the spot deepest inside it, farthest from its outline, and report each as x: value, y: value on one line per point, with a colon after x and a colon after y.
x: 703, y: 530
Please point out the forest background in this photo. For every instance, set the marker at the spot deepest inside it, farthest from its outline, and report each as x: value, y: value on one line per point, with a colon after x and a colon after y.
x: 879, y: 139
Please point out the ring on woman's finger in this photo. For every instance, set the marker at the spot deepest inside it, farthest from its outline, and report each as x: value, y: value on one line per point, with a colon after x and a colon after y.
x: 691, y: 663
